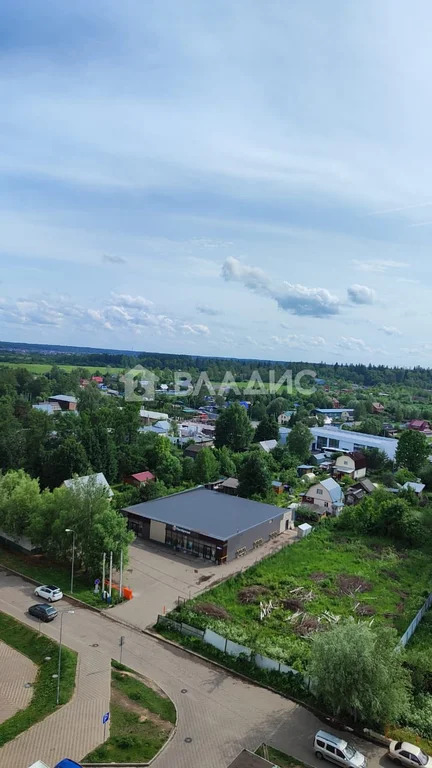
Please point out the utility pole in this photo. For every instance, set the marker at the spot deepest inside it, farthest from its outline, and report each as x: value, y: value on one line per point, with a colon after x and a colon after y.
x: 59, y: 655
x: 121, y: 574
x: 110, y: 576
x: 69, y: 530
x: 103, y: 574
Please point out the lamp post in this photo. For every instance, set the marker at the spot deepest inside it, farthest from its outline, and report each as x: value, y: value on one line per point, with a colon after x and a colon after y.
x: 59, y: 656
x: 69, y: 530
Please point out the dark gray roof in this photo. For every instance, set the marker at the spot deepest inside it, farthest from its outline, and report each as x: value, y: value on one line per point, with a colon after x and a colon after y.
x: 247, y: 759
x: 213, y: 514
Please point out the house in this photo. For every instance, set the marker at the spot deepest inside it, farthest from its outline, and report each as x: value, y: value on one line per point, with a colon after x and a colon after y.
x: 351, y: 464
x: 192, y: 451
x: 213, y: 526
x: 377, y: 408
x: 66, y: 402
x: 229, y: 486
x: 97, y: 379
x: 340, y: 414
x: 357, y: 492
x: 335, y: 402
x: 327, y: 494
x: 268, y: 445
x: 277, y: 487
x: 284, y: 417
x: 148, y: 417
x: 419, y: 425
x: 98, y: 478
x: 303, y: 469
x: 160, y: 427
x: 139, y: 478
x: 332, y: 439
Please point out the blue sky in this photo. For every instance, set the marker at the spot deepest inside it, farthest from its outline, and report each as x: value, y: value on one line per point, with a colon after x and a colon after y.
x: 246, y: 179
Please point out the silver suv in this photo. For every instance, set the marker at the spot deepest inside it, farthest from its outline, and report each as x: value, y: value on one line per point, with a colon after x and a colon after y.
x: 331, y: 747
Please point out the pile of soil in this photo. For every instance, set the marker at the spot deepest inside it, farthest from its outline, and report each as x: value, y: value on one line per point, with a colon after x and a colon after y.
x: 307, y: 625
x: 365, y: 610
x: 293, y: 604
x: 210, y: 609
x: 252, y: 593
x: 348, y: 584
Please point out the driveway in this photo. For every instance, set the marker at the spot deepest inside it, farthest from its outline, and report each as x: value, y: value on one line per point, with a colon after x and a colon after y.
x: 218, y: 714
x: 158, y: 577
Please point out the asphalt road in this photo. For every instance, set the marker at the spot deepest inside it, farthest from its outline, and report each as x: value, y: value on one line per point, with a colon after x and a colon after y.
x: 218, y: 714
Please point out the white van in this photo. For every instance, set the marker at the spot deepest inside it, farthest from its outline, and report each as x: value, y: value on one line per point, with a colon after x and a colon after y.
x: 331, y: 747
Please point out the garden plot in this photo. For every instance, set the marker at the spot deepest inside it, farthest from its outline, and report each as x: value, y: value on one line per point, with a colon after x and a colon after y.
x: 276, y: 606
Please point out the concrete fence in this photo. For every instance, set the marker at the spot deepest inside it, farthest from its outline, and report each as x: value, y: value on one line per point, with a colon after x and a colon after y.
x: 415, y: 622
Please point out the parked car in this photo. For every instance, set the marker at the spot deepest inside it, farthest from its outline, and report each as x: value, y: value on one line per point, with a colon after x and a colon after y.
x: 43, y: 612
x: 331, y: 747
x: 404, y: 753
x: 49, y: 592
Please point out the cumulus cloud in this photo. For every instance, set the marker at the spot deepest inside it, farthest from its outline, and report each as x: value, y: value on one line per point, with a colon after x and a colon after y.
x: 111, y: 258
x: 390, y: 330
x: 299, y: 341
x: 196, y: 329
x: 135, y: 302
x: 205, y: 310
x: 351, y: 342
x: 361, y: 294
x: 295, y: 298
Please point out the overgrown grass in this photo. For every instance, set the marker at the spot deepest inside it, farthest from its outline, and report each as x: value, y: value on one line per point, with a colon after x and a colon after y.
x: 40, y: 569
x: 37, y: 647
x: 132, y: 739
x: 398, y: 583
x: 279, y: 758
x: 46, y: 367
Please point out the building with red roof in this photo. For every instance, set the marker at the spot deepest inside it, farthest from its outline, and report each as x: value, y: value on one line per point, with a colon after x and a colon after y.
x: 139, y: 478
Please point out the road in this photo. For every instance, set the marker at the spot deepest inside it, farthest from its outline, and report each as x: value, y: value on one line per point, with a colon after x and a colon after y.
x: 217, y: 712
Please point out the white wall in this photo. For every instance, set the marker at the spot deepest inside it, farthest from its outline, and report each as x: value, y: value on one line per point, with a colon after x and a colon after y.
x: 157, y: 531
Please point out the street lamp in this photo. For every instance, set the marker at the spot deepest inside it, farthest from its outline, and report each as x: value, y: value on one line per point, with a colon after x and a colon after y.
x: 60, y: 650
x: 69, y: 530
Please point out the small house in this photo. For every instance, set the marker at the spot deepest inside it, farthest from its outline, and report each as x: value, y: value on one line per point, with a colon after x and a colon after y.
x: 418, y: 488
x: 98, y: 479
x: 351, y: 464
x: 277, y: 487
x: 139, y: 479
x: 377, y: 408
x: 66, y: 402
x: 419, y: 425
x: 192, y: 451
x: 326, y: 494
x: 229, y: 486
x: 268, y: 445
x: 358, y: 491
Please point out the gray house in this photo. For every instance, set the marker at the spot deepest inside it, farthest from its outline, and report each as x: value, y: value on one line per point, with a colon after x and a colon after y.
x: 207, y: 524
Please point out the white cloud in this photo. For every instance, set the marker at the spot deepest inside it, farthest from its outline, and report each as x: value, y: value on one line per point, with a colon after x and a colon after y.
x: 390, y: 330
x: 352, y: 343
x: 195, y: 329
x: 135, y: 302
x: 379, y: 265
x: 295, y: 298
x: 298, y: 341
x: 361, y: 294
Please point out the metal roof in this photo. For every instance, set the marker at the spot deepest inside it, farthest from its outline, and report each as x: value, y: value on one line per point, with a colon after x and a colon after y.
x: 207, y: 512
x: 99, y: 479
x: 63, y: 398
x: 335, y: 491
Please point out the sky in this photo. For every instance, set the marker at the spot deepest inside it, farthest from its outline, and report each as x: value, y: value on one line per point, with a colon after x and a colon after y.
x: 244, y: 179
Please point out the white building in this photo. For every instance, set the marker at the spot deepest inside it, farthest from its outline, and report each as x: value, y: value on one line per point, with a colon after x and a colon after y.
x: 345, y: 440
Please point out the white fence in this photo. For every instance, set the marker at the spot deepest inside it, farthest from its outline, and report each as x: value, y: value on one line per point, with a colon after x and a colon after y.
x: 407, y: 635
x: 231, y: 648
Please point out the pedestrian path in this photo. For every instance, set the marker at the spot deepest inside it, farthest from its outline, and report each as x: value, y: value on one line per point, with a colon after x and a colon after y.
x: 17, y: 675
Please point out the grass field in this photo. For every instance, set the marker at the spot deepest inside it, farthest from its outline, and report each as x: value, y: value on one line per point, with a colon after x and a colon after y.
x: 46, y: 367
x: 142, y: 718
x: 37, y: 647
x: 365, y: 578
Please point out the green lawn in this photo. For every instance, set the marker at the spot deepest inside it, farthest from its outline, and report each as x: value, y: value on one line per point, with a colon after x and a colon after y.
x: 141, y: 720
x: 395, y: 585
x: 279, y: 758
x: 46, y: 367
x: 39, y: 568
x: 37, y: 647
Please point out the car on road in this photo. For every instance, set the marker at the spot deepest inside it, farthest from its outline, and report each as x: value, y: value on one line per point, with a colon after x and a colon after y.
x: 49, y: 592
x: 43, y: 612
x: 404, y: 753
x: 330, y: 747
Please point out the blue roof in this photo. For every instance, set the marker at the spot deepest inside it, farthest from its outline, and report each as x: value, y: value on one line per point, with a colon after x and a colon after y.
x: 68, y: 763
x: 334, y: 489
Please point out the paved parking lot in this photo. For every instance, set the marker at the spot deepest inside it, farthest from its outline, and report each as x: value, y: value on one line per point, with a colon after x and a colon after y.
x: 158, y: 577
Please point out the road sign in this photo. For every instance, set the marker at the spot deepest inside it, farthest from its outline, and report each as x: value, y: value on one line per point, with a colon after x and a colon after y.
x: 97, y: 581
x: 105, y: 718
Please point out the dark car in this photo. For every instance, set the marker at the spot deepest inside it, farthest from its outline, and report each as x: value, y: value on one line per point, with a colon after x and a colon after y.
x: 43, y: 612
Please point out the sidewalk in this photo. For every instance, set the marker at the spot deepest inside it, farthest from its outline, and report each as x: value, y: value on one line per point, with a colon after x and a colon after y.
x: 76, y: 728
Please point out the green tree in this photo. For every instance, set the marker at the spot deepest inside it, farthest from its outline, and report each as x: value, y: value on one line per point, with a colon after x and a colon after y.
x: 206, y: 466
x: 226, y: 464
x: 90, y: 399
x: 65, y: 461
x: 358, y: 673
x: 277, y: 406
x: 19, y: 501
x: 188, y: 465
x: 233, y: 428
x: 254, y: 476
x: 267, y: 429
x: 299, y: 441
x: 412, y: 450
x: 376, y: 460
x: 257, y: 410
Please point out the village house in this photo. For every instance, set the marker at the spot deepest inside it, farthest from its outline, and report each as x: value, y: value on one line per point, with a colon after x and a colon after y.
x: 98, y: 479
x: 419, y: 425
x: 357, y: 492
x: 352, y: 464
x: 377, y: 408
x: 66, y: 402
x: 139, y: 478
x: 229, y: 486
x: 327, y: 495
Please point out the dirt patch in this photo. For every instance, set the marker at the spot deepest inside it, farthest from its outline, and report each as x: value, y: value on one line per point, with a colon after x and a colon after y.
x: 251, y: 594
x: 144, y: 714
x: 293, y: 604
x: 307, y: 625
x: 210, y: 609
x: 318, y: 576
x: 205, y: 577
x: 143, y: 679
x: 365, y: 610
x: 349, y: 585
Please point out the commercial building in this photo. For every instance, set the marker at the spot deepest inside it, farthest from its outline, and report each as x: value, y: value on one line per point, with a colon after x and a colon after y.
x: 207, y: 524
x: 345, y: 440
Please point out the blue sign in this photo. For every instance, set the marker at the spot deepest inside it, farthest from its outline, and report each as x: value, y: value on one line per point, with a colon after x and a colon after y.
x: 105, y: 718
x: 97, y: 581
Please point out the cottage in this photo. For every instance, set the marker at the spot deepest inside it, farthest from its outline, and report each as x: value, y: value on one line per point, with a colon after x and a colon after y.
x: 352, y: 464
x: 277, y: 487
x: 192, y: 451
x: 229, y: 486
x: 139, y: 479
x: 98, y: 479
x: 419, y: 425
x: 357, y: 492
x: 268, y: 445
x: 66, y: 402
x: 285, y: 417
x: 326, y: 494
x: 418, y: 488
x: 377, y: 408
